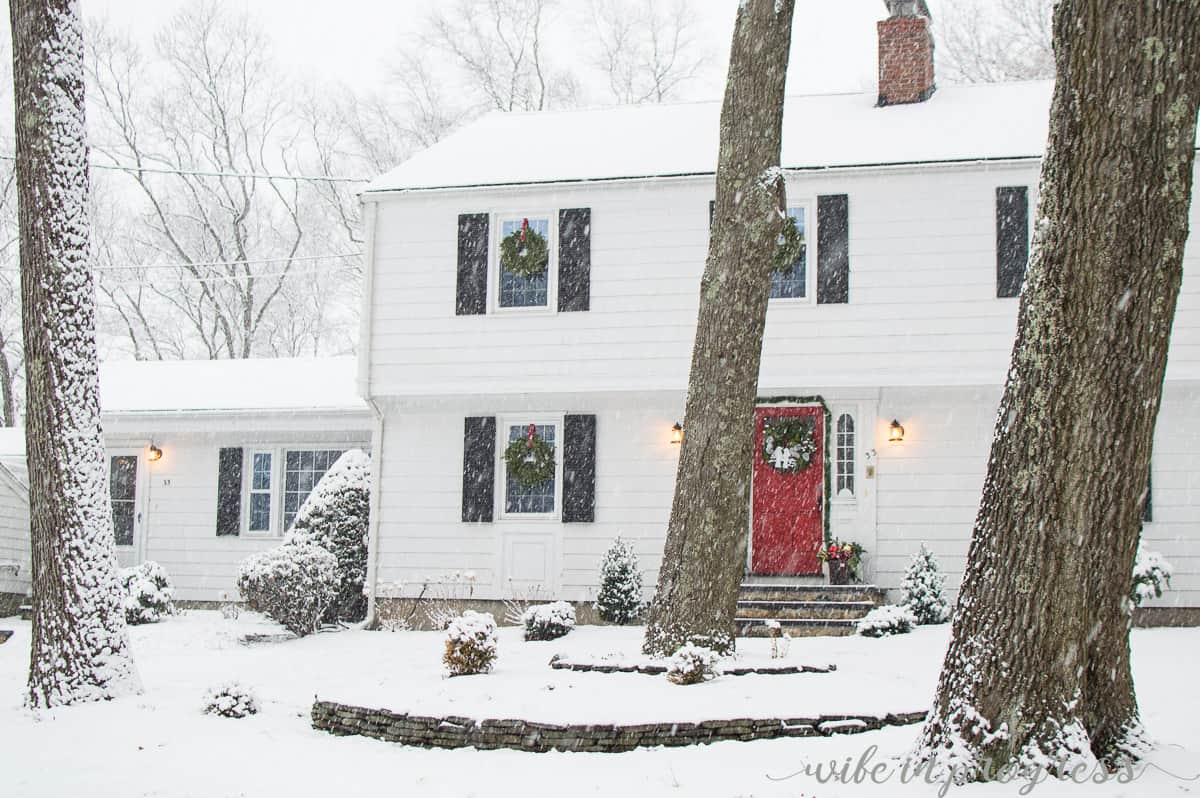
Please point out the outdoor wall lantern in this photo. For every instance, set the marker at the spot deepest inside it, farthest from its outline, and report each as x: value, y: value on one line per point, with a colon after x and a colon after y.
x: 895, y: 432
x: 155, y: 454
x: 677, y: 433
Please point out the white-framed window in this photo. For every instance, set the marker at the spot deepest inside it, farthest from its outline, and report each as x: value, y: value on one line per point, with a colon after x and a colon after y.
x: 845, y: 442
x: 259, y: 504
x: 794, y: 283
x: 530, y: 501
x: 515, y: 292
x: 280, y: 479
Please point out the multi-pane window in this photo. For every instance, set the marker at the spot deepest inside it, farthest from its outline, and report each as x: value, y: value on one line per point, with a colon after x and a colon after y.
x: 845, y: 456
x: 792, y: 283
x: 519, y: 291
x: 303, y: 469
x: 261, y: 477
x: 122, y: 489
x: 538, y: 498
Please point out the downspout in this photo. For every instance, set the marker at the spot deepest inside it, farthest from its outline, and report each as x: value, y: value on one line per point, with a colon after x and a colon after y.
x: 370, y: 209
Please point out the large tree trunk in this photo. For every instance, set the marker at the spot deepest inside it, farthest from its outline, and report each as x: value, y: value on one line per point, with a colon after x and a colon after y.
x: 705, y: 552
x: 80, y: 651
x: 1038, y: 668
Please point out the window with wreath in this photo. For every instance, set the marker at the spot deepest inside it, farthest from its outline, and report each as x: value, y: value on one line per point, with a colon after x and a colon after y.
x: 845, y: 456
x: 524, y: 259
x: 789, y: 280
x: 530, y: 463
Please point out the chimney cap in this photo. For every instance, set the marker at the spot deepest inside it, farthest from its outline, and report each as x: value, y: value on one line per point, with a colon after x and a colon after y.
x: 908, y: 8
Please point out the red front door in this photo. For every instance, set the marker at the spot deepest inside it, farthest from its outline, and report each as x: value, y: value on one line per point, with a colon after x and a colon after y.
x: 786, y: 513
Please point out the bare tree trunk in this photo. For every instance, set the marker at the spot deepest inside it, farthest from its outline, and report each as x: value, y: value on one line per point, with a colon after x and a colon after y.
x: 1037, y: 672
x: 705, y: 551
x: 80, y: 651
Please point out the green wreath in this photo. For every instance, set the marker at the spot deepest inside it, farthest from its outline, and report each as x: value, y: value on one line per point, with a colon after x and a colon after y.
x: 788, y: 444
x: 791, y: 247
x: 528, y: 258
x: 530, y: 461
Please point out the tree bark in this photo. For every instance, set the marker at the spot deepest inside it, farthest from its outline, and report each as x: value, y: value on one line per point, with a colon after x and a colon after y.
x: 705, y: 552
x: 1037, y: 672
x: 80, y: 651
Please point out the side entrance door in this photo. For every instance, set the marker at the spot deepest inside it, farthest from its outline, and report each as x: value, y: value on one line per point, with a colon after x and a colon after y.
x: 125, y: 480
x: 788, y: 490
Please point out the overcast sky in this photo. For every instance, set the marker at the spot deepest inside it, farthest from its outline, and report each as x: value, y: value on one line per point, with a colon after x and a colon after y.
x: 833, y: 49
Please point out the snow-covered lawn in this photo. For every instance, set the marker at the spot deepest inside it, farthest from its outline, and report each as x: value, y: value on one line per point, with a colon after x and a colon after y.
x: 160, y: 743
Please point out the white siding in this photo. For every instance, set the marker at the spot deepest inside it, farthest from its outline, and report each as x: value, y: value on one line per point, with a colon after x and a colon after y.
x: 930, y: 485
x: 14, y: 534
x: 922, y: 308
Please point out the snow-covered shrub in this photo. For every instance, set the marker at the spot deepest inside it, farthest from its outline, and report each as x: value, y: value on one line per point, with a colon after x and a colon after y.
x: 620, y: 597
x: 470, y: 643
x: 148, y: 593
x: 887, y: 620
x: 229, y: 609
x: 923, y: 591
x: 293, y: 584
x: 781, y: 641
x: 231, y: 700
x: 1151, y: 576
x: 548, y: 621
x: 334, y: 517
x: 692, y: 664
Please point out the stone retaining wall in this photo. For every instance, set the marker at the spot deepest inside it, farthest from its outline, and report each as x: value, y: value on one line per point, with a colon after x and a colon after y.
x: 563, y: 664
x: 459, y: 732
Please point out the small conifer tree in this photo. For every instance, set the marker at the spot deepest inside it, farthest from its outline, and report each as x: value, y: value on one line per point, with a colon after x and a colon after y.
x: 620, y: 597
x: 335, y: 517
x: 923, y: 591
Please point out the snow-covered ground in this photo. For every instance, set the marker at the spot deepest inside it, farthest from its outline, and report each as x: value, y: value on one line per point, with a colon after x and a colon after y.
x: 161, y: 744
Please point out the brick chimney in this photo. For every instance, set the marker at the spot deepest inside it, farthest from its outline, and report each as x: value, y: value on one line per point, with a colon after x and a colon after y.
x: 905, y: 53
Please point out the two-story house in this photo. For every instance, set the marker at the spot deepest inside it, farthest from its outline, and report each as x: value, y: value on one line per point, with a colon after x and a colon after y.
x: 535, y: 277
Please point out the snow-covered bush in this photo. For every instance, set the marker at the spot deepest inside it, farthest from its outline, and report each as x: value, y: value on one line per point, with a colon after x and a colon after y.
x: 620, y: 597
x: 334, y: 517
x: 887, y: 620
x: 548, y: 621
x: 923, y: 591
x: 231, y: 700
x: 1151, y: 576
x: 148, y: 593
x: 692, y: 664
x: 470, y: 644
x: 293, y: 584
x: 781, y: 641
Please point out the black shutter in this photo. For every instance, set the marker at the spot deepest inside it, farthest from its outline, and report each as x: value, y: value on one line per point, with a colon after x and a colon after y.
x: 229, y: 491
x: 574, y: 258
x: 479, y: 468
x: 579, y: 468
x: 472, y: 264
x: 712, y: 212
x: 833, y: 249
x: 1148, y: 503
x: 1012, y: 239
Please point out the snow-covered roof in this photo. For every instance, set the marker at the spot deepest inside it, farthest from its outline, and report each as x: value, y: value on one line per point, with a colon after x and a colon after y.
x: 216, y: 386
x: 958, y: 123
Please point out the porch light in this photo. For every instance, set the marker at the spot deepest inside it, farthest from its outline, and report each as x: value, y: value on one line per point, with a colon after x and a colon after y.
x: 677, y: 433
x: 895, y: 432
x: 155, y: 454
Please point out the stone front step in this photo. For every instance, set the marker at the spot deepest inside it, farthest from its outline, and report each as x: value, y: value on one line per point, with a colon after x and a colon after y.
x: 816, y: 610
x: 760, y: 591
x: 797, y: 627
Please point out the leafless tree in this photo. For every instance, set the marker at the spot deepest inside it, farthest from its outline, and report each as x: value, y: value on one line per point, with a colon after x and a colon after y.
x: 10, y: 299
x: 205, y: 122
x: 499, y: 47
x: 79, y: 649
x: 647, y: 50
x: 705, y: 552
x: 981, y: 41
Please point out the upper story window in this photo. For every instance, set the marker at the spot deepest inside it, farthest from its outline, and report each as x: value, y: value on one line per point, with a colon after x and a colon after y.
x: 845, y: 456
x: 792, y: 283
x: 521, y: 496
x: 523, y: 252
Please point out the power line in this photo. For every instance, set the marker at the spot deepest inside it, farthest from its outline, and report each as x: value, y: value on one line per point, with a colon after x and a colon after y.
x: 202, y: 173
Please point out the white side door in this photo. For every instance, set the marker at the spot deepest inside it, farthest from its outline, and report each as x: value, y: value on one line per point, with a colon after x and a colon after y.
x: 126, y: 490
